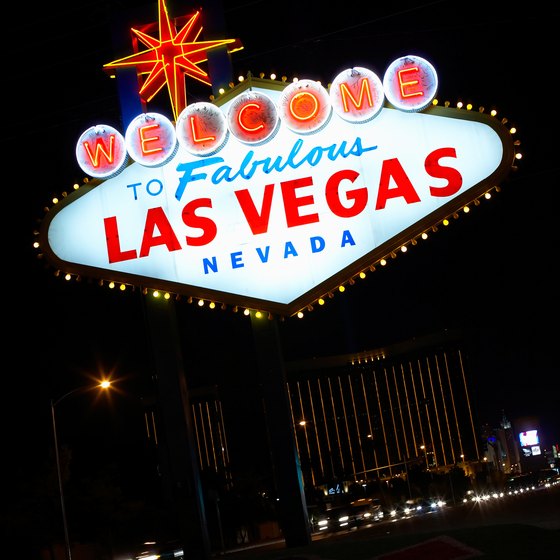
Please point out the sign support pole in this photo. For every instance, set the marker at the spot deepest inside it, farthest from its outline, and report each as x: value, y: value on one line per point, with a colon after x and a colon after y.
x: 292, y: 504
x: 178, y: 458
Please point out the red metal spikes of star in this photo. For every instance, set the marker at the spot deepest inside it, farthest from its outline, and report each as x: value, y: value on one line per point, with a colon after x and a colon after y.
x: 171, y: 56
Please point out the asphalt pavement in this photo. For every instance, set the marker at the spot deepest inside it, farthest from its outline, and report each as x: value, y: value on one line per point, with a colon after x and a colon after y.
x: 518, y: 527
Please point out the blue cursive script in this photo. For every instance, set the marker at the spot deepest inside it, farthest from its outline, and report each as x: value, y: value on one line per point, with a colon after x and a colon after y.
x: 249, y: 166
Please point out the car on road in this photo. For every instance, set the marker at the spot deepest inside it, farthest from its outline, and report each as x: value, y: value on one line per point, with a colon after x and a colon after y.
x: 415, y: 506
x: 348, y: 516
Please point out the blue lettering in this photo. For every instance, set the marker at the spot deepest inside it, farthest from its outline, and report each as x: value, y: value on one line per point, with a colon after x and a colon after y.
x: 133, y: 187
x: 188, y: 176
x: 248, y: 167
x: 347, y: 239
x: 210, y: 265
x: 317, y: 244
x: 263, y: 255
x: 237, y: 260
x: 158, y: 190
x: 290, y: 250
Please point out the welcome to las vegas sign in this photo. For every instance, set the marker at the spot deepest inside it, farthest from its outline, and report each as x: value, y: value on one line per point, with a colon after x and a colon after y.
x: 276, y: 193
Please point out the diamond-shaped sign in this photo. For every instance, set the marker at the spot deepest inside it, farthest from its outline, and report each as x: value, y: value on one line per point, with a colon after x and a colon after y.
x: 274, y: 221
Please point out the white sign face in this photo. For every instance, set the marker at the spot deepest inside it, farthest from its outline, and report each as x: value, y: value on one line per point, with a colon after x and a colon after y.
x: 275, y: 223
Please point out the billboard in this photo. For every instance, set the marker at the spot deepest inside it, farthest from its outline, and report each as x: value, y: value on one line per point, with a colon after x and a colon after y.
x: 530, y: 443
x: 529, y: 438
x: 275, y: 195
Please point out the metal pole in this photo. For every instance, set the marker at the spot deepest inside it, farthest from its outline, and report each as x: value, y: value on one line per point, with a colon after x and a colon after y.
x: 407, y: 477
x: 60, y: 486
x: 219, y: 515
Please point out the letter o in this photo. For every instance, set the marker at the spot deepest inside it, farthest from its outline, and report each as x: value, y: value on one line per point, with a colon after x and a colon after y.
x: 305, y: 106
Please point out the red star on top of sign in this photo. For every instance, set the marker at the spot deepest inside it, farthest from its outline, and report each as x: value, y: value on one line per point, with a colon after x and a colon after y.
x: 171, y: 56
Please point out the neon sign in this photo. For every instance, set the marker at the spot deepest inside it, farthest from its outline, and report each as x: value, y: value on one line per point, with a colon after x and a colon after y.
x: 304, y: 107
x: 274, y: 195
x: 169, y: 57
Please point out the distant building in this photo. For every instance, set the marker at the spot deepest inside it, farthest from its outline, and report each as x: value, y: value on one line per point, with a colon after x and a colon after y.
x: 374, y: 414
x: 517, y: 446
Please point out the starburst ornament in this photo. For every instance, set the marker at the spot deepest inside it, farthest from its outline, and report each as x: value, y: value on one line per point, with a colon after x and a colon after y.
x: 169, y: 58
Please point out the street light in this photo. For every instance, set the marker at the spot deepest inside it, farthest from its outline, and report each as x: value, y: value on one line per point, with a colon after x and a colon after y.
x: 101, y: 385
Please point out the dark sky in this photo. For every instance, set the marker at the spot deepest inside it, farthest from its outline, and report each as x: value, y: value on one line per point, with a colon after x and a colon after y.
x: 490, y: 274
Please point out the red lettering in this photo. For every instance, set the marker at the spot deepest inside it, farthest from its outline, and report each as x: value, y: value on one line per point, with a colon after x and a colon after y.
x: 365, y: 91
x: 146, y: 139
x: 408, y: 88
x: 250, y: 118
x: 344, y: 198
x: 392, y: 169
x: 258, y: 221
x: 332, y: 194
x: 194, y: 130
x: 156, y: 218
x: 304, y: 106
x: 113, y: 243
x: 100, y: 149
x: 434, y: 169
x: 208, y: 226
x: 292, y: 203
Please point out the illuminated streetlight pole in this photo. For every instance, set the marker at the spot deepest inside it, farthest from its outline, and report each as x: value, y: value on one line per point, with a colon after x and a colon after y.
x: 102, y: 385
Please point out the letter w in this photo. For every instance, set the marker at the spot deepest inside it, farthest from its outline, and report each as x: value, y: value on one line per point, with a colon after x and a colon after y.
x: 100, y: 148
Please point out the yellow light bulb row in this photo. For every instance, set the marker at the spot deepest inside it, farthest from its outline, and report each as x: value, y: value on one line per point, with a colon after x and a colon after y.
x: 367, y: 358
x: 493, y: 113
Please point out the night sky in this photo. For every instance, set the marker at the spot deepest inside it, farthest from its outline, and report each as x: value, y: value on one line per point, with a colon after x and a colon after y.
x: 489, y: 275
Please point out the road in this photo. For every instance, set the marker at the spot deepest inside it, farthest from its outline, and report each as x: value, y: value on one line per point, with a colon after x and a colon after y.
x: 540, y: 508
